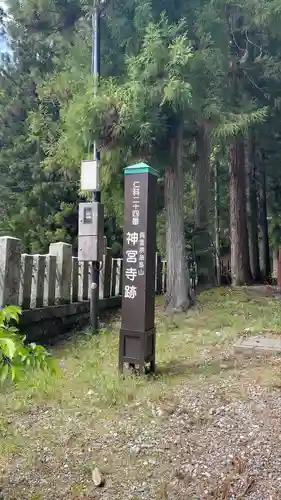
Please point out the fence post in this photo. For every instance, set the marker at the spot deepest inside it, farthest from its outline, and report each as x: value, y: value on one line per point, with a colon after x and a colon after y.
x: 50, y: 281
x: 26, y: 280
x: 120, y: 276
x: 74, y: 288
x: 113, y: 278
x: 83, y: 280
x: 38, y: 278
x: 63, y: 253
x: 10, y: 263
x: 102, y: 271
x: 158, y: 274
x: 164, y: 276
x: 90, y: 265
x: 116, y: 284
x: 279, y: 271
x: 107, y: 273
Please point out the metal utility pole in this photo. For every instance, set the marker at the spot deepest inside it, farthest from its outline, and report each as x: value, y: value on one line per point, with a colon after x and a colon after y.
x: 91, y: 214
x: 94, y: 299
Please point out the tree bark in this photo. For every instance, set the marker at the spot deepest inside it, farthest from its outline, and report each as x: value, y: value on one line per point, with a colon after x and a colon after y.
x: 264, y: 240
x: 203, y: 248
x: 252, y: 208
x: 240, y: 261
x: 178, y: 295
x: 217, y: 223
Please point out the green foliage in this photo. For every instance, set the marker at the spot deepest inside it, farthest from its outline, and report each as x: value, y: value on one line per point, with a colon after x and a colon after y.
x: 132, y: 114
x: 15, y: 355
x: 240, y: 123
x: 161, y: 62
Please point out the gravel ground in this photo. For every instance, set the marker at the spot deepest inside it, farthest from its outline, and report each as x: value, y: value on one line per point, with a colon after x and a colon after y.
x: 206, y: 446
x: 220, y: 441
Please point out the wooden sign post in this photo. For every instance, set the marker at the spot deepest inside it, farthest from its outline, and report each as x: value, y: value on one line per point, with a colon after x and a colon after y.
x: 137, y: 334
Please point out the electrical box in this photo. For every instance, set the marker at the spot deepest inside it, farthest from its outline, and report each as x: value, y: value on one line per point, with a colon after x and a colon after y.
x: 90, y: 232
x: 90, y: 177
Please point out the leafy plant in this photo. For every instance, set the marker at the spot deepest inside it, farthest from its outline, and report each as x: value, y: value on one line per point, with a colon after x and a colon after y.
x: 15, y: 355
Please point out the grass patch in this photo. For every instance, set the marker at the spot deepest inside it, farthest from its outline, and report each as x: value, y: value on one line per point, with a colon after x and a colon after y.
x: 52, y: 412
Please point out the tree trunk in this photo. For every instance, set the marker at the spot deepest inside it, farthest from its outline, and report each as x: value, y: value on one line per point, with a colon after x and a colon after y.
x: 252, y: 208
x: 264, y: 241
x: 240, y: 261
x: 203, y: 249
x: 178, y: 295
x: 217, y: 223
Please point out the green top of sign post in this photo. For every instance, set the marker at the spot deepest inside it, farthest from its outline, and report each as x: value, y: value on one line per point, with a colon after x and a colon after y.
x: 140, y: 168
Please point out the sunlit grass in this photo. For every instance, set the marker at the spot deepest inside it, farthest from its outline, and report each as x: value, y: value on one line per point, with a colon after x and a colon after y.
x: 88, y: 388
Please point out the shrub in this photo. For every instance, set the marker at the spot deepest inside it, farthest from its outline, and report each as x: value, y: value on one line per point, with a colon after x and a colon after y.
x: 16, y: 356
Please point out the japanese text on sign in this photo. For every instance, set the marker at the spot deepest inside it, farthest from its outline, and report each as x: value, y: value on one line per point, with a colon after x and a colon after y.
x: 141, y: 254
x: 136, y: 204
x: 131, y: 272
x: 130, y: 291
x: 134, y: 258
x: 132, y: 238
x: 131, y: 256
